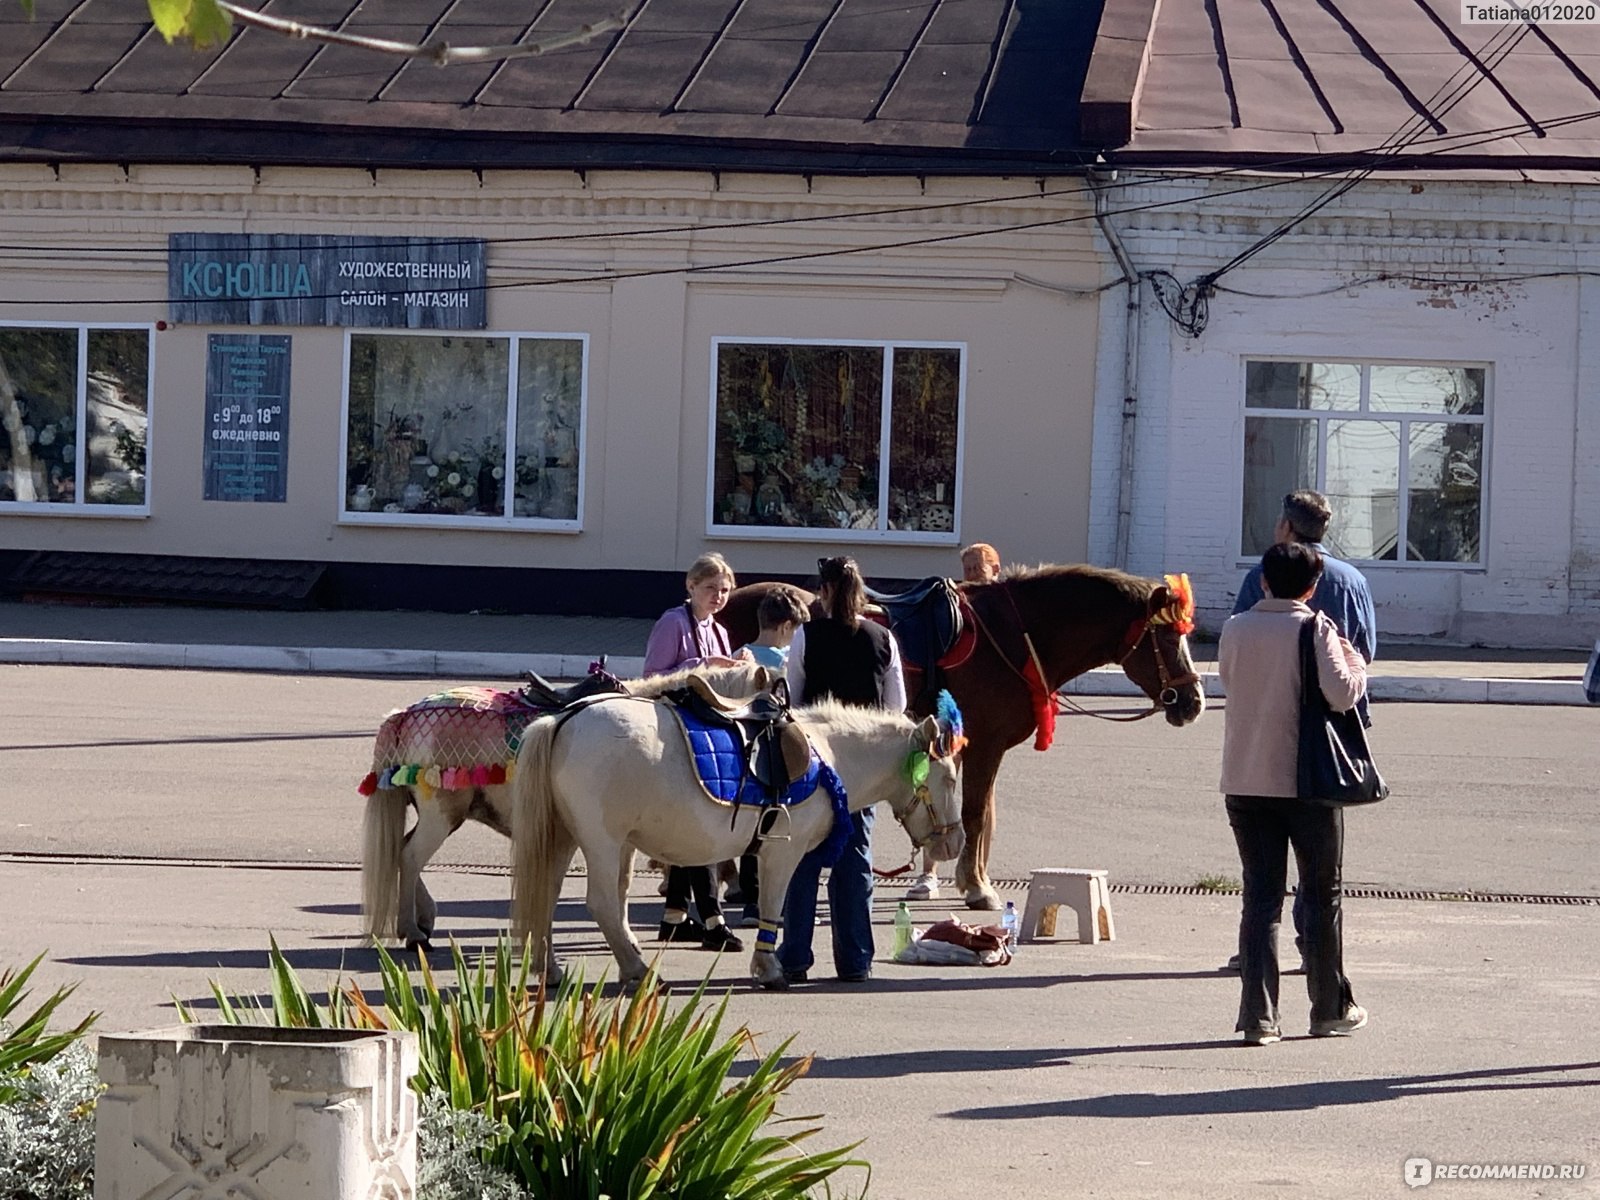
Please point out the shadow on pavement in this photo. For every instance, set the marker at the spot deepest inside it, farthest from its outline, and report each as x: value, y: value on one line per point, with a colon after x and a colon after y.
x: 920, y: 1062
x: 1320, y: 1093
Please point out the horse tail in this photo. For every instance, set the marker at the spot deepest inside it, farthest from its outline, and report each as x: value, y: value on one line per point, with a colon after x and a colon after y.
x: 384, y: 842
x: 535, y: 883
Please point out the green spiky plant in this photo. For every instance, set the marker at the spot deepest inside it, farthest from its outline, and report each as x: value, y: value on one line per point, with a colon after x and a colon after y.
x: 25, y: 1042
x: 619, y: 1097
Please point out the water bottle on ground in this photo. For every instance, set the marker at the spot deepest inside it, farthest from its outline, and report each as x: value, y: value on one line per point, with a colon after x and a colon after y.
x: 1009, y: 922
x: 902, y: 929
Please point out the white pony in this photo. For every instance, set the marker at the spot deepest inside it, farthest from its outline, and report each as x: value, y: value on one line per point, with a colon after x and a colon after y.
x: 443, y: 756
x: 617, y: 777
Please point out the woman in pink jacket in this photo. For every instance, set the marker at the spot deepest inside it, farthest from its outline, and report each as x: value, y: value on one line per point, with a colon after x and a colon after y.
x: 1258, y: 659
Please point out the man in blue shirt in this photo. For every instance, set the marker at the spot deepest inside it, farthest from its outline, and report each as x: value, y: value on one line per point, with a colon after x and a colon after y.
x: 1342, y: 594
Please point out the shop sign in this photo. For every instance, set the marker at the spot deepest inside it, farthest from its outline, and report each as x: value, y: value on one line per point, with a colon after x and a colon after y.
x: 247, y: 417
x: 326, y: 279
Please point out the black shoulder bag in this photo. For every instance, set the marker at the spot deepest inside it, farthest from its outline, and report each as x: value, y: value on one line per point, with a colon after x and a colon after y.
x: 1335, y: 765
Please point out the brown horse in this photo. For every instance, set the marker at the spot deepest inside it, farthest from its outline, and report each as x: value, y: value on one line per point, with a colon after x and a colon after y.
x: 1059, y: 621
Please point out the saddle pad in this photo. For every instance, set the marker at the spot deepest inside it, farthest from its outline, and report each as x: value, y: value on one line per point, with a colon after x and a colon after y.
x: 465, y: 737
x: 719, y: 765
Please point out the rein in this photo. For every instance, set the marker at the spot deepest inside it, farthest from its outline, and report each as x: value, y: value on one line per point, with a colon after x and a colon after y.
x: 920, y: 796
x: 1065, y: 704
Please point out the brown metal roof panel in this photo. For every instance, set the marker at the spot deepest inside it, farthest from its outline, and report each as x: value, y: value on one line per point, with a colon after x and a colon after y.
x: 966, y: 23
x: 646, y: 72
x: 424, y: 82
x: 153, y: 66
x: 843, y: 84
x: 743, y: 76
x: 868, y: 25
x: 1273, y: 94
x: 256, y: 63
x: 781, y: 20
x: 349, y: 73
x: 1545, y: 85
x: 373, y: 15
x: 19, y: 37
x: 683, y: 16
x: 938, y: 84
x: 77, y: 56
x: 1183, y: 92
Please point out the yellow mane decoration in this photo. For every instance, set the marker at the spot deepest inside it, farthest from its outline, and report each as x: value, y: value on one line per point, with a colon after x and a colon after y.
x: 1179, y: 609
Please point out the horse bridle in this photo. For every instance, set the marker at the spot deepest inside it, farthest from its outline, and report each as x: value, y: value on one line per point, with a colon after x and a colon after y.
x: 921, y: 797
x: 1170, y: 681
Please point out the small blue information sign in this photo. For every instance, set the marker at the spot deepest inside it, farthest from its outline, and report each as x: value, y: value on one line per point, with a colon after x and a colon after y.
x: 247, y: 417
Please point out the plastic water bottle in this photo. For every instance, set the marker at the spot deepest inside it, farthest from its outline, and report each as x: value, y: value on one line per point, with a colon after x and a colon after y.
x: 902, y: 929
x: 1009, y: 922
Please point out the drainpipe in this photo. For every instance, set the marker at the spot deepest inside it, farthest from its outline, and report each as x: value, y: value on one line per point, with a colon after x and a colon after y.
x: 1130, y: 369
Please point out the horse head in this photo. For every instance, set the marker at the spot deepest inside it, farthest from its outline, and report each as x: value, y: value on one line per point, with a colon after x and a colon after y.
x: 933, y: 768
x: 1159, y: 660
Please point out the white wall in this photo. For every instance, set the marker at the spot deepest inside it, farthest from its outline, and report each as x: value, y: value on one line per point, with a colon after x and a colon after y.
x: 1539, y: 579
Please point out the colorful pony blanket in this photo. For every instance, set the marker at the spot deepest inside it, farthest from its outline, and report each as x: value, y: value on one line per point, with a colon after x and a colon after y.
x: 720, y: 767
x: 466, y: 737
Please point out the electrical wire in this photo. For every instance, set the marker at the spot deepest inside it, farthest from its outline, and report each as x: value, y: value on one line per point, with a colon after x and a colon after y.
x: 1188, y: 305
x: 1159, y: 278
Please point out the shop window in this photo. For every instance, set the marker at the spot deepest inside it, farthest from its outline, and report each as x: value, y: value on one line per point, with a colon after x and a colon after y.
x: 857, y: 437
x: 428, y: 418
x: 1398, y: 449
x: 74, y: 418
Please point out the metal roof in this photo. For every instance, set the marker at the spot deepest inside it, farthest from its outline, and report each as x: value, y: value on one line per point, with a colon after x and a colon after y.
x: 851, y: 85
x: 1284, y: 81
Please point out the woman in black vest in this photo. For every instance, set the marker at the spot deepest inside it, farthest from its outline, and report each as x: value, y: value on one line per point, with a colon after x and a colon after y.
x: 840, y: 657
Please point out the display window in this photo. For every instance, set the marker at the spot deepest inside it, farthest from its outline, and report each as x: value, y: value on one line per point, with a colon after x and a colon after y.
x: 74, y: 418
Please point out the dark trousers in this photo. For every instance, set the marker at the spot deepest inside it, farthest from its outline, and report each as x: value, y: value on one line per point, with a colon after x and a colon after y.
x: 1265, y: 827
x: 683, y: 880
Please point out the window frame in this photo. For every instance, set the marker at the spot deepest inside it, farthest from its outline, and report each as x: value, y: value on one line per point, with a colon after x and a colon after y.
x: 507, y: 520
x: 880, y: 536
x: 80, y: 505
x: 1364, y: 413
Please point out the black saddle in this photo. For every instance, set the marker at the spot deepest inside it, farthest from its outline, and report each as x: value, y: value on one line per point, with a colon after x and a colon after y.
x: 539, y: 692
x: 926, y: 621
x: 774, y: 750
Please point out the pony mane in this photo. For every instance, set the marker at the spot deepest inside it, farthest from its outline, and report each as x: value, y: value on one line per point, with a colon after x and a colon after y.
x: 852, y: 718
x: 1135, y: 587
x: 745, y: 679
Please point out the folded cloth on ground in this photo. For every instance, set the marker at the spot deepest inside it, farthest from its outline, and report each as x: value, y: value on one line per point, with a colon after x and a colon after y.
x: 951, y: 942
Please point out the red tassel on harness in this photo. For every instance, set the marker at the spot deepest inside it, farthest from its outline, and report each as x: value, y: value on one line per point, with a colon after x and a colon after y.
x: 368, y: 785
x: 1044, y: 709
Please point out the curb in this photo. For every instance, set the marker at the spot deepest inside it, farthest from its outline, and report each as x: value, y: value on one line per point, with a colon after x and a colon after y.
x: 483, y: 664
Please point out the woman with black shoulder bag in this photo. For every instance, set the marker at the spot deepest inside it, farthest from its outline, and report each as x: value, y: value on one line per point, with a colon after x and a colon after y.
x: 1260, y: 660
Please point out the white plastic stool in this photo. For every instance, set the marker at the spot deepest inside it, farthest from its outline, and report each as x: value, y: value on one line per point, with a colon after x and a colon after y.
x: 1086, y: 892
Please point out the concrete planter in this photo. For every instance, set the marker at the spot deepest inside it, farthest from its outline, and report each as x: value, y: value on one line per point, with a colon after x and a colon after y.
x: 204, y: 1111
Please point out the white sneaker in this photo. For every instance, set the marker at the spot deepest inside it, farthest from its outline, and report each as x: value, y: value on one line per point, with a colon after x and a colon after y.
x: 923, y: 887
x: 1354, y: 1018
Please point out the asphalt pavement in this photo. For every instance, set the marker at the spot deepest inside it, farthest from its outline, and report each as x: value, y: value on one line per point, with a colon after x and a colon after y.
x: 161, y: 824
x: 497, y: 646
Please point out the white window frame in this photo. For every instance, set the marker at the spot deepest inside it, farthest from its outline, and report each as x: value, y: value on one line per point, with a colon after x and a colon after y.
x: 882, y: 535
x: 80, y: 505
x: 1364, y: 413
x: 508, y: 520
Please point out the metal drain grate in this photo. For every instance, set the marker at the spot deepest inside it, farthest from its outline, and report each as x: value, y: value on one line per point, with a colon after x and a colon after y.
x: 1357, y: 892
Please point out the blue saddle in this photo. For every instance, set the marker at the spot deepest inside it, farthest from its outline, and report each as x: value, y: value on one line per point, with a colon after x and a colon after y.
x: 720, y: 763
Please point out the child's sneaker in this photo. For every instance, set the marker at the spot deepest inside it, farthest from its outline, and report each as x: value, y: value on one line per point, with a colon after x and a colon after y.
x: 924, y: 887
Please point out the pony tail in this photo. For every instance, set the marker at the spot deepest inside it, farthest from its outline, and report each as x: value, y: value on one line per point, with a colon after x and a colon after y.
x: 533, y: 837
x: 385, y: 839
x: 849, y: 589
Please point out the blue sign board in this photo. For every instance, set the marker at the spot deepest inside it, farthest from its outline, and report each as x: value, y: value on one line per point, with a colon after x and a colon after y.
x: 325, y: 279
x: 247, y: 417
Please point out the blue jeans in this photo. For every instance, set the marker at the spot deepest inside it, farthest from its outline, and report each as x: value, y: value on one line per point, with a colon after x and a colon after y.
x: 849, y: 901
